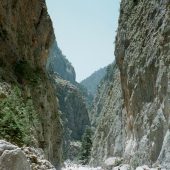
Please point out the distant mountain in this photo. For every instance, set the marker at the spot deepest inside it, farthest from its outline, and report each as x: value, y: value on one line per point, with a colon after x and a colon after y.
x: 58, y: 64
x: 92, y: 82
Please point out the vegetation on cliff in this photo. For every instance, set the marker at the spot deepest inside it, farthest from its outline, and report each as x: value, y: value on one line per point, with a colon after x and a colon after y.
x: 85, y: 150
x: 17, y: 117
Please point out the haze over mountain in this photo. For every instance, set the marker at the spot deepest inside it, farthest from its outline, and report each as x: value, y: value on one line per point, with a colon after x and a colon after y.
x: 92, y: 82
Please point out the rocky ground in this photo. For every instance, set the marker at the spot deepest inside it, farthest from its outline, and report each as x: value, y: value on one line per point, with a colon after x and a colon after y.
x: 14, y: 158
x: 110, y: 165
x: 28, y: 158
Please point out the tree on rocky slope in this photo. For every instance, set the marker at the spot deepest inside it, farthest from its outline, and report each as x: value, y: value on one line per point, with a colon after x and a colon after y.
x: 86, y: 146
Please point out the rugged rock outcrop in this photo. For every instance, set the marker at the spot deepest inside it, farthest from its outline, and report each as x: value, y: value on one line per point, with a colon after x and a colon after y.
x: 12, y: 157
x: 26, y: 35
x: 36, y: 158
x: 74, y: 113
x: 58, y: 64
x: 143, y: 57
x: 107, y: 118
x: 73, y: 107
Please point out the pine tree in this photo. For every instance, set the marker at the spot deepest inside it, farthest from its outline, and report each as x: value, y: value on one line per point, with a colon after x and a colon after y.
x: 86, y: 146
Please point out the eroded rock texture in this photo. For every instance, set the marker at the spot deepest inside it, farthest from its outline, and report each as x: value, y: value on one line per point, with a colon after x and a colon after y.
x: 71, y: 101
x: 74, y: 114
x: 73, y: 107
x: 26, y: 35
x: 12, y: 157
x: 108, y: 118
x: 143, y: 57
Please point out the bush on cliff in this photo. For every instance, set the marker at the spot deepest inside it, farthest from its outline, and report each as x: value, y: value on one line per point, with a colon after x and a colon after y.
x: 17, y: 116
x: 86, y: 146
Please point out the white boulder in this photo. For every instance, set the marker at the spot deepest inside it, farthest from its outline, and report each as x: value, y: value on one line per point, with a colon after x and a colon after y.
x: 12, y: 157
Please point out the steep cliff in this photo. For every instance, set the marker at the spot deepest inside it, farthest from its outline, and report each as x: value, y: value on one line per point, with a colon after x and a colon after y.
x: 71, y: 101
x: 143, y: 57
x: 26, y: 35
x: 58, y: 63
x: 107, y: 118
x: 73, y: 107
x: 74, y: 114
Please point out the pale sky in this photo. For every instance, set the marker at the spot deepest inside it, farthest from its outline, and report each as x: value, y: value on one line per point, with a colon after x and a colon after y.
x: 85, y: 31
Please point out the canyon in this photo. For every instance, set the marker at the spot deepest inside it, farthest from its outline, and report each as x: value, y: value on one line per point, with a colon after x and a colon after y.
x: 44, y: 112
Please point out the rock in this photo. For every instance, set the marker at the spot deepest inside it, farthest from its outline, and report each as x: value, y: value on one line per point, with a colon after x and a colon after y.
x: 73, y: 107
x: 138, y: 128
x: 74, y: 113
x: 111, y: 162
x: 122, y: 167
x: 37, y: 159
x: 71, y: 101
x: 107, y: 119
x: 145, y: 167
x: 58, y: 64
x: 25, y: 42
x: 74, y: 150
x: 144, y: 71
x: 12, y: 157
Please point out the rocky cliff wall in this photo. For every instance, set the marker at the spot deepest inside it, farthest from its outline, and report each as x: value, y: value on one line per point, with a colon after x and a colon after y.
x: 73, y: 106
x: 58, y: 64
x: 26, y: 35
x: 74, y: 113
x: 71, y: 99
x: 143, y: 57
x: 107, y: 118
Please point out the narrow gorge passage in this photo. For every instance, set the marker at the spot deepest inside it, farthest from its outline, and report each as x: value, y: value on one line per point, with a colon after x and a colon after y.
x: 66, y: 103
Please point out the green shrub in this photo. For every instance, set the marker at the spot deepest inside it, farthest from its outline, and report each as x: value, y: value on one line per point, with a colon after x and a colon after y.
x: 24, y: 71
x: 17, y: 117
x: 86, y: 146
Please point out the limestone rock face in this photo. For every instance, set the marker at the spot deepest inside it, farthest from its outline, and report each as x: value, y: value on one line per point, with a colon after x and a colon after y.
x: 26, y: 35
x: 73, y: 107
x: 12, y: 157
x: 143, y: 56
x: 107, y: 118
x: 74, y: 112
x: 141, y: 121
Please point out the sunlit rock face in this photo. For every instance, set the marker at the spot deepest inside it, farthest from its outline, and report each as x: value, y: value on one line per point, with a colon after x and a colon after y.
x: 143, y: 56
x: 107, y: 118
x: 26, y: 35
